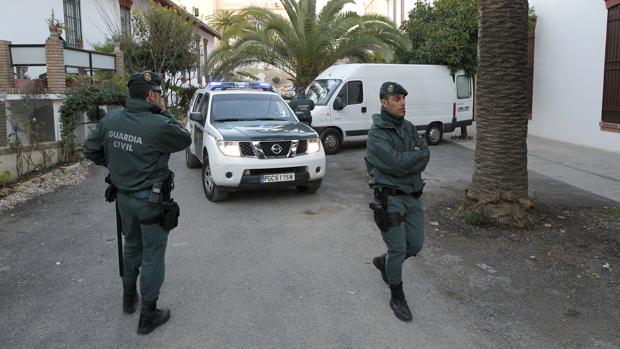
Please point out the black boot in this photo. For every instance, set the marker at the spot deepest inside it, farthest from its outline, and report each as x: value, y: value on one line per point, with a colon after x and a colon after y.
x: 399, y: 304
x: 130, y: 300
x: 151, y: 317
x: 379, y: 263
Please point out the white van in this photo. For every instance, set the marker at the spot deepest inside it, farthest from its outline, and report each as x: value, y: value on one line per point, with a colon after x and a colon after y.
x: 347, y: 95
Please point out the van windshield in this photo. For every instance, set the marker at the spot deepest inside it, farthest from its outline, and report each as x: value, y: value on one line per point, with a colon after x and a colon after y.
x: 322, y: 90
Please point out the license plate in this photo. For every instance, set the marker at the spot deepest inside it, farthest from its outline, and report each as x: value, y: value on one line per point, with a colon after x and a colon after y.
x: 280, y: 177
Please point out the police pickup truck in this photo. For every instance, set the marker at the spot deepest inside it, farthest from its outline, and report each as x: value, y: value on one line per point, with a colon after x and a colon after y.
x: 246, y: 137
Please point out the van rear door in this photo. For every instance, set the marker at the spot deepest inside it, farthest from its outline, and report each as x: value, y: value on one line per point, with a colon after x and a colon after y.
x: 464, y: 98
x: 353, y: 118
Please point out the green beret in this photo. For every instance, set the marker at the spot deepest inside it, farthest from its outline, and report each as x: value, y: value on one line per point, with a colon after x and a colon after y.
x: 146, y: 78
x: 392, y: 89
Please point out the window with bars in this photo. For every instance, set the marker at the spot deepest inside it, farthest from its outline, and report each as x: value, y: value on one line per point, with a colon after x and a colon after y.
x: 73, y: 22
x: 611, y: 84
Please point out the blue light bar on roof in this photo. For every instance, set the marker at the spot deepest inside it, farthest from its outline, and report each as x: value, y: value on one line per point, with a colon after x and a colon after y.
x: 223, y: 85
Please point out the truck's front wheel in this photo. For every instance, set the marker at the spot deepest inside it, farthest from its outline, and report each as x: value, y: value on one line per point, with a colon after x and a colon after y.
x: 212, y: 191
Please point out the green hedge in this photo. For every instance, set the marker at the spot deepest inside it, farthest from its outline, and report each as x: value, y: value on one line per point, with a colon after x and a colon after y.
x: 87, y: 99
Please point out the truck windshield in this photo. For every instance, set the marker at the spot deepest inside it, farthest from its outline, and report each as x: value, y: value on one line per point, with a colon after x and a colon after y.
x: 248, y: 107
x: 322, y: 90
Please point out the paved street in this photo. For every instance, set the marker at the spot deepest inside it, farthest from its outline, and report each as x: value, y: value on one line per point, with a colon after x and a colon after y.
x: 273, y: 270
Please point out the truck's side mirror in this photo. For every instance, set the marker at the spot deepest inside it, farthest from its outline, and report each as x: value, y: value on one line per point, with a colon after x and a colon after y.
x: 196, y: 116
x: 338, y: 104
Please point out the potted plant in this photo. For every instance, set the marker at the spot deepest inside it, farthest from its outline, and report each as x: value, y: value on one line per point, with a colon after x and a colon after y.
x: 54, y: 24
x: 76, y: 80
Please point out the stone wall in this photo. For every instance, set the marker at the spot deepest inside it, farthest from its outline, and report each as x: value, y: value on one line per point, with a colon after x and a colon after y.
x: 6, y: 70
x: 29, y: 158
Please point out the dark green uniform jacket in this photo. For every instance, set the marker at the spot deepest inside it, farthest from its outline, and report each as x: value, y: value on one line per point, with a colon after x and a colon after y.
x: 302, y: 107
x: 135, y: 144
x: 391, y: 158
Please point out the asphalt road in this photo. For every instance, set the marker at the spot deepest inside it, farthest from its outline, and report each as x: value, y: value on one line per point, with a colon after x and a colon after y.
x: 265, y: 269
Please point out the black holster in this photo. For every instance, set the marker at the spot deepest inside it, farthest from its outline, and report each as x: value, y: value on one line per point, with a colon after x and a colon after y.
x: 110, y: 191
x: 383, y: 218
x: 170, y: 212
x: 169, y: 209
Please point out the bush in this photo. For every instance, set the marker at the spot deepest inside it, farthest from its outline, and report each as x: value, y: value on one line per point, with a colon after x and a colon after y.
x: 85, y: 98
x: 473, y: 218
x: 5, y: 177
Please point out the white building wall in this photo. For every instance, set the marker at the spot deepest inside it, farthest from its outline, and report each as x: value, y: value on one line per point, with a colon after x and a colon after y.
x: 398, y: 10
x: 568, y: 73
x: 100, y: 19
x: 205, y: 7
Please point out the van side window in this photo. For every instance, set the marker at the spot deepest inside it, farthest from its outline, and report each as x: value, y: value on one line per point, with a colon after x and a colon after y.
x: 463, y: 87
x: 197, y: 102
x: 343, y: 93
x: 355, y: 91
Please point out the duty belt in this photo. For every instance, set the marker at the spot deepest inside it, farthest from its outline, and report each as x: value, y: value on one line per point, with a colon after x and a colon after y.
x: 140, y: 194
x: 396, y: 192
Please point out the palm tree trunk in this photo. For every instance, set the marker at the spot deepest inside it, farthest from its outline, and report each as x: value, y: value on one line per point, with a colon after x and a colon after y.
x: 499, y: 188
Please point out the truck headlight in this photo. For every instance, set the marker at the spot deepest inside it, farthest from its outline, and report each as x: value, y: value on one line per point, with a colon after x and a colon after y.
x: 314, y: 145
x: 229, y: 148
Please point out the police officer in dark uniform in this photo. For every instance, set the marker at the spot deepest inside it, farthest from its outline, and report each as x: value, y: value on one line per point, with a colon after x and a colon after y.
x: 302, y: 106
x: 395, y: 158
x: 135, y: 144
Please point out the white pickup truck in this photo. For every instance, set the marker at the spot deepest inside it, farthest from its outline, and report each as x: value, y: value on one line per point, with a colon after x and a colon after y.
x: 246, y: 137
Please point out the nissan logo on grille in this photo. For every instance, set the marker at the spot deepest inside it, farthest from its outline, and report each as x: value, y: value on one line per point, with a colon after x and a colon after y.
x: 276, y: 149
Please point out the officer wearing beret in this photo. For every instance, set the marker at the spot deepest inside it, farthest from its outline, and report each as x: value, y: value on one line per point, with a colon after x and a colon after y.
x: 395, y: 158
x: 302, y: 106
x: 135, y: 144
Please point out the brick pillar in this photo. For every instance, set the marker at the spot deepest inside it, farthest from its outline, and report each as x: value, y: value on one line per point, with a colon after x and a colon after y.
x: 54, y: 56
x: 6, y: 70
x: 120, y: 60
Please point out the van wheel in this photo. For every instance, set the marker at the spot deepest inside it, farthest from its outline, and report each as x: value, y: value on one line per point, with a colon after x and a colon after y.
x: 310, y: 188
x: 331, y: 139
x: 213, y: 192
x: 434, y: 134
x: 191, y: 160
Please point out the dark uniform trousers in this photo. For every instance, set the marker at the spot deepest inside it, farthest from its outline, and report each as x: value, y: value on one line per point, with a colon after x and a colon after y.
x: 145, y: 245
x: 405, y: 240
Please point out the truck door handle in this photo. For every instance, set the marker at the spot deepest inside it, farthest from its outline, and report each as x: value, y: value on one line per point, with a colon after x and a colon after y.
x: 363, y: 109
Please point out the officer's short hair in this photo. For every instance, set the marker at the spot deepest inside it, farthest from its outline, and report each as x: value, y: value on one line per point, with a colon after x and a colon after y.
x: 139, y: 91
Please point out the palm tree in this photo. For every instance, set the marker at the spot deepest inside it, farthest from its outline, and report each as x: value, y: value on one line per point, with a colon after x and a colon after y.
x: 499, y: 188
x: 228, y: 23
x: 307, y: 42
